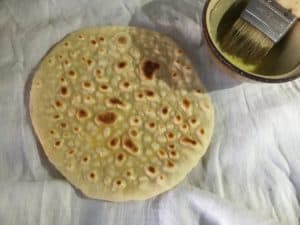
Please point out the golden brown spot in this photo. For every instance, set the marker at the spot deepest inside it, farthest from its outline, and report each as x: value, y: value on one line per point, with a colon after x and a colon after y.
x: 130, y: 146
x: 186, y: 103
x: 60, y: 56
x: 106, y: 117
x: 188, y: 67
x: 57, y: 143
x: 71, y: 152
x: 162, y: 154
x: 149, y: 93
x: 179, y: 51
x: 66, y: 62
x: 149, y: 69
x: 116, y: 101
x: 140, y: 95
x: 174, y: 74
x: 171, y: 146
x: 92, y: 175
x: 122, y: 64
x: 87, y: 84
x: 152, y: 125
x: 114, y: 142
x: 151, y: 169
x: 122, y: 40
x: 76, y: 129
x: 64, y: 91
x: 199, y: 91
x: 119, y: 184
x: 135, y: 121
x: 173, y: 153
x: 58, y: 104
x: 62, y: 79
x: 171, y: 135
x: 133, y: 133
x: 63, y: 125
x: 66, y: 44
x: 177, y: 61
x: 128, y: 173
x: 82, y: 114
x: 98, y: 74
x: 80, y: 36
x: 71, y: 73
x: 189, y: 141
x: 126, y: 84
x: 51, y: 132
x: 103, y: 87
x: 193, y: 120
x: 101, y: 38
x: 170, y: 164
x: 202, y: 131
x: 85, y: 159
x: 56, y: 116
x: 93, y: 42
x: 178, y: 118
x: 89, y: 62
x: 165, y: 110
x: 120, y: 157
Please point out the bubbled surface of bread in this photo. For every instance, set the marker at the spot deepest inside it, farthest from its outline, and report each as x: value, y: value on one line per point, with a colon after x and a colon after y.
x: 120, y: 112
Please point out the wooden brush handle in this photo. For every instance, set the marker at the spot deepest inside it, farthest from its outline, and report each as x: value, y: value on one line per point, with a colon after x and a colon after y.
x: 293, y: 5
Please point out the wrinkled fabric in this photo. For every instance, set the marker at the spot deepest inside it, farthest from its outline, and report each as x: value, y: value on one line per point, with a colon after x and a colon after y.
x: 250, y: 175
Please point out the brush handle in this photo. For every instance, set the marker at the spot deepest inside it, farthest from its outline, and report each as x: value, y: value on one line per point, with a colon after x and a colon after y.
x: 293, y: 5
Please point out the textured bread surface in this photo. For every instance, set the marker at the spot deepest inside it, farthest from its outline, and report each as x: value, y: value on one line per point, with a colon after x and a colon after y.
x: 120, y: 112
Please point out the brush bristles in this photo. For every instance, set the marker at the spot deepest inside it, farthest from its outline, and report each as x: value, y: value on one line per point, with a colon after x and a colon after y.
x: 246, y: 42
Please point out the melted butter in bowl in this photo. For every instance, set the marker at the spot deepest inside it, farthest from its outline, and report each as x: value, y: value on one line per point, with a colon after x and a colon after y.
x: 282, y: 63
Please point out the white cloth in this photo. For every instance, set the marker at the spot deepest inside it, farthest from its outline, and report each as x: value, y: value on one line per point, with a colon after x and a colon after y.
x: 250, y: 175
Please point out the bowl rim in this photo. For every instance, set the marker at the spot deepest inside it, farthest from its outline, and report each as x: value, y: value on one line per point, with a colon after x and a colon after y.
x: 231, y: 66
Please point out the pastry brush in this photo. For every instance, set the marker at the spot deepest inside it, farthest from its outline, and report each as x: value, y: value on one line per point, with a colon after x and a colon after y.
x: 262, y: 24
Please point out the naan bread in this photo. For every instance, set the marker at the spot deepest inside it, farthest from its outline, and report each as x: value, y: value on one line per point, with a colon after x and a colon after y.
x: 120, y: 112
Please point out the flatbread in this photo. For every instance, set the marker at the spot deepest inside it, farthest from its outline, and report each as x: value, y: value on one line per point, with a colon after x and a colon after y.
x: 120, y: 112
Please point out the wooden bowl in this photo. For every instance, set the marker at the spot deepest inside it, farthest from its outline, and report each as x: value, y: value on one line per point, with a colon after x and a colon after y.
x: 285, y: 66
